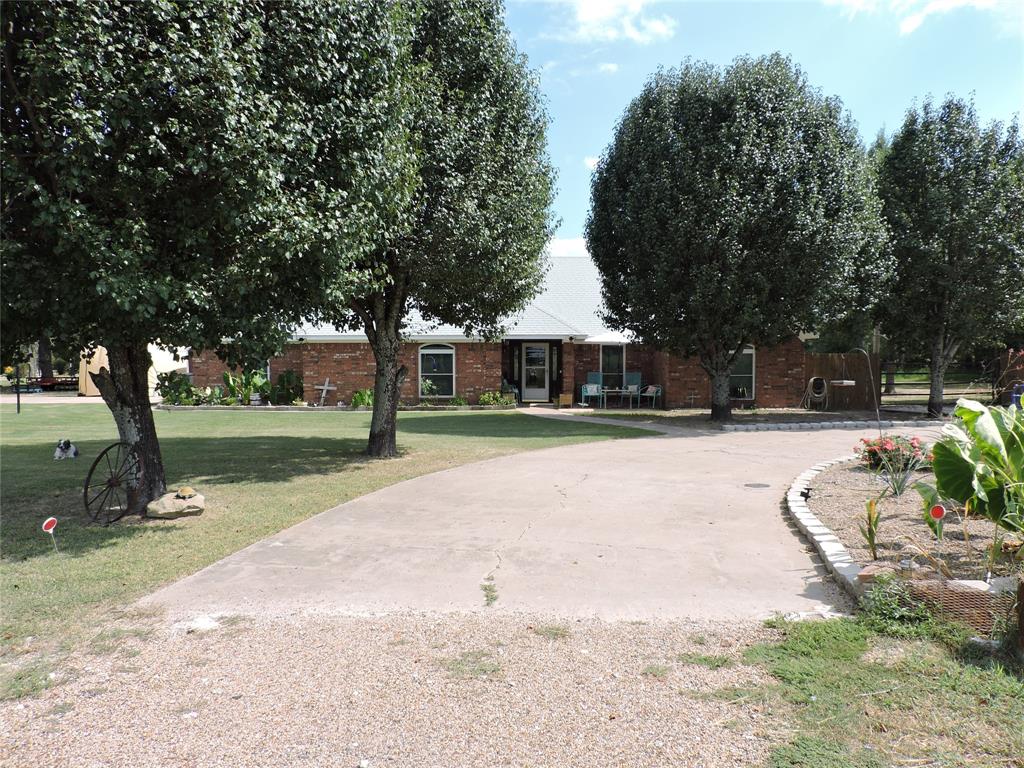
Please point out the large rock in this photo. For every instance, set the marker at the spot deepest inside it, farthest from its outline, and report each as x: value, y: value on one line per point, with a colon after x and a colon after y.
x: 170, y: 506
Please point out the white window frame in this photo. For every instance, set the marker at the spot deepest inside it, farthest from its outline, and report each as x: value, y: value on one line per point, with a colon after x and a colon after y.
x: 435, y: 348
x: 749, y: 349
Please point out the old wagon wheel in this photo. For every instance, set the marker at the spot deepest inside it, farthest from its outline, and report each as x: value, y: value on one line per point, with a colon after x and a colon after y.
x: 108, y: 493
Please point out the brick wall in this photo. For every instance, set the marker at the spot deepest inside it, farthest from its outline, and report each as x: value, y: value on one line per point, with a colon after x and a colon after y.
x: 780, y: 371
x: 350, y: 366
x: 779, y: 378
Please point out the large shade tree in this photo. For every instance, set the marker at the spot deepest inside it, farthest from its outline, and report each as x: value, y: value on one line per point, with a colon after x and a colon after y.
x: 153, y: 185
x: 953, y: 196
x: 467, y: 247
x: 733, y: 207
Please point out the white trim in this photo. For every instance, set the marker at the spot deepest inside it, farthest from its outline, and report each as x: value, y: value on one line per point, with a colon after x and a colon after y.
x: 439, y: 349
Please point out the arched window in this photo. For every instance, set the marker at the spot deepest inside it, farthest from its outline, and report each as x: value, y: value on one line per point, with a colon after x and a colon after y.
x: 437, y: 370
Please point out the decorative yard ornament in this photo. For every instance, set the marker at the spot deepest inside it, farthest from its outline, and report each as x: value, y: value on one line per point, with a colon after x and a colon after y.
x: 49, y: 524
x: 934, y: 517
x: 323, y: 390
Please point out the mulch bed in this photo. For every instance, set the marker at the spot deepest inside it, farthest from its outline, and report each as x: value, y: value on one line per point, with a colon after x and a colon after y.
x: 838, y: 497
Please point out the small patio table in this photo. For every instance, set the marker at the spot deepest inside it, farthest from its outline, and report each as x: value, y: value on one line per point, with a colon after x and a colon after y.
x: 620, y: 393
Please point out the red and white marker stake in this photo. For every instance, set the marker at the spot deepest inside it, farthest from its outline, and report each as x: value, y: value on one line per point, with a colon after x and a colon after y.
x: 48, y: 525
x: 938, y: 513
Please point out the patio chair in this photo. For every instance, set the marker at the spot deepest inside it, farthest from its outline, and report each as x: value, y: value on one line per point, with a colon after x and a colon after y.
x: 588, y: 391
x: 652, y: 391
x: 631, y: 378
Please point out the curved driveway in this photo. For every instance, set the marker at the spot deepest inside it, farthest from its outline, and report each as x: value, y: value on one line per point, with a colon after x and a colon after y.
x: 672, y: 526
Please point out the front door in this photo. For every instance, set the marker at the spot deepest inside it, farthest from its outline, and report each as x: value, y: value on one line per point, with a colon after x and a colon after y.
x: 535, y: 372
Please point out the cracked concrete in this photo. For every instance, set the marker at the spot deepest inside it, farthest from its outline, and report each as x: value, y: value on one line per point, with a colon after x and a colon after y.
x: 660, y: 527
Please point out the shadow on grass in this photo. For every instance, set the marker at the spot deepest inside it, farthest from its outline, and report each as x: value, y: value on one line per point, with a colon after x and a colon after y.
x: 510, y: 425
x: 33, y: 491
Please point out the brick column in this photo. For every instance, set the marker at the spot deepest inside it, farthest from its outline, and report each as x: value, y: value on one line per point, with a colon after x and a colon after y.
x: 569, y: 369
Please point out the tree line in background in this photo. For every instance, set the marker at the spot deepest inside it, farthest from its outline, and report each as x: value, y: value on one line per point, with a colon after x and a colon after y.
x: 210, y: 175
x: 738, y: 206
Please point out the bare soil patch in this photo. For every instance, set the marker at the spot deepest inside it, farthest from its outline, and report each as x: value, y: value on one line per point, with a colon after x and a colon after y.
x: 838, y: 497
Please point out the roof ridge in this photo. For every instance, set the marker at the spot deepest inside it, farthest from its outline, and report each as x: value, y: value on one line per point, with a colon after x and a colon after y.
x: 553, y: 316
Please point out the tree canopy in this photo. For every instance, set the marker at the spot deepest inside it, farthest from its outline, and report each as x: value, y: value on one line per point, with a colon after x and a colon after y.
x: 156, y: 189
x: 733, y: 207
x: 953, y: 197
x: 466, y: 247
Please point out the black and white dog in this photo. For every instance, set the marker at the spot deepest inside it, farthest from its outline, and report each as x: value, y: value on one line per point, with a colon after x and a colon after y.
x: 65, y: 450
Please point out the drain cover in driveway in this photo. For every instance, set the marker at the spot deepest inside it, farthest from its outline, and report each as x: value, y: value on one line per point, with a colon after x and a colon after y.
x: 756, y: 485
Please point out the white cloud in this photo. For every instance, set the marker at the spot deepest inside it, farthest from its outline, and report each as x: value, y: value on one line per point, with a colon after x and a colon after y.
x: 568, y: 246
x: 911, y: 14
x: 617, y: 20
x: 590, y: 161
x: 611, y: 68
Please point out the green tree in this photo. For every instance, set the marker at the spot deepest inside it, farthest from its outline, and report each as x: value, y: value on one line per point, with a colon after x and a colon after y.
x: 153, y: 158
x: 953, y: 196
x: 467, y: 249
x: 732, y: 207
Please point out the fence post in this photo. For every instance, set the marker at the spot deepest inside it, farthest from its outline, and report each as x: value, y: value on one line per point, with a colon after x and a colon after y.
x: 890, y: 377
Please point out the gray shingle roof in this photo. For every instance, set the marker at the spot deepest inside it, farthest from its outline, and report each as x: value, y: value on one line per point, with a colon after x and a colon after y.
x: 569, y: 305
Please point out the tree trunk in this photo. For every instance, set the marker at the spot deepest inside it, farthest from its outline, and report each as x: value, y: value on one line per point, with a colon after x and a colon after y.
x: 721, y: 405
x: 941, y: 356
x: 44, y: 357
x: 890, y: 377
x: 125, y: 390
x: 386, y: 386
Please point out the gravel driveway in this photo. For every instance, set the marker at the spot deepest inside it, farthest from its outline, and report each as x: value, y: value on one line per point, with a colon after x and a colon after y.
x: 461, y: 690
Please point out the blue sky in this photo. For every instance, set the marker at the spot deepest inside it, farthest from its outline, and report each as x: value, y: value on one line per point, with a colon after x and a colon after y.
x: 878, y: 56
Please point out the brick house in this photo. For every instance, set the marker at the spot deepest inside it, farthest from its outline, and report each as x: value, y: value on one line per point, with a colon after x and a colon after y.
x: 547, y: 351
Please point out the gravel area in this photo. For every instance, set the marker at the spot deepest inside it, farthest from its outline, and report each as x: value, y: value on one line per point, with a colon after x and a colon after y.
x: 838, y: 497
x: 401, y: 690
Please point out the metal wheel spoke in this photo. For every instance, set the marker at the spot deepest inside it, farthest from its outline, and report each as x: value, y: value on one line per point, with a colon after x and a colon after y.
x: 102, y: 488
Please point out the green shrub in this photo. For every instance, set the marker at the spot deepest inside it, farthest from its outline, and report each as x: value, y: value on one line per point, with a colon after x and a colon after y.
x: 980, y: 466
x: 175, y: 388
x: 496, y: 398
x: 362, y: 398
x: 289, y: 388
x: 458, y: 400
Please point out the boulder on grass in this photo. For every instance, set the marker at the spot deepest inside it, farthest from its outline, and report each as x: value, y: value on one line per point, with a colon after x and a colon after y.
x: 170, y: 506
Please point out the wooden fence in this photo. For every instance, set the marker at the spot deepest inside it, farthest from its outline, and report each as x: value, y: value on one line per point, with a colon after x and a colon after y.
x: 849, y: 366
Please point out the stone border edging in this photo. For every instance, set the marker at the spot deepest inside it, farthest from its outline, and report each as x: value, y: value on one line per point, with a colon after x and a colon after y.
x: 807, y: 425
x: 836, y: 557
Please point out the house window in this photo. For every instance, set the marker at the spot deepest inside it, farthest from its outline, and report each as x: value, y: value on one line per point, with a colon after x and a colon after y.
x: 613, y: 365
x: 741, y: 381
x: 437, y: 370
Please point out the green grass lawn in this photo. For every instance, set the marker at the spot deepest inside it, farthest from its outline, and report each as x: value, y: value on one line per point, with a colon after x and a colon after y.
x: 259, y: 472
x: 849, y: 697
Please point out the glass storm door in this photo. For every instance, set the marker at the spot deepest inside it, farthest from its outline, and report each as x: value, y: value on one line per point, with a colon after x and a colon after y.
x: 535, y: 372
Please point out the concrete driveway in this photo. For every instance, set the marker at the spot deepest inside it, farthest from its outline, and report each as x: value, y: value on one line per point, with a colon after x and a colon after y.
x: 683, y: 525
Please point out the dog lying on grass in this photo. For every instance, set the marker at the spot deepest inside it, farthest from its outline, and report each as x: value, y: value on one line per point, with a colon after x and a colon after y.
x: 65, y: 450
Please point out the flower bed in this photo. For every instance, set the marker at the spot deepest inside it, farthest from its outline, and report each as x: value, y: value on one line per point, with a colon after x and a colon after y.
x: 838, y: 498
